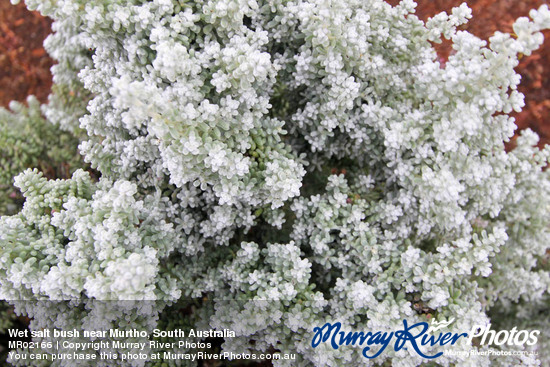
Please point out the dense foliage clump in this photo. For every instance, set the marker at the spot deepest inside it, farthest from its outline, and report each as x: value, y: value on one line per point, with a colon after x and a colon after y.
x: 267, y: 166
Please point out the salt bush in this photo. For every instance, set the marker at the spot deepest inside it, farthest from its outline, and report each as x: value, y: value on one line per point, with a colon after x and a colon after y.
x: 279, y: 164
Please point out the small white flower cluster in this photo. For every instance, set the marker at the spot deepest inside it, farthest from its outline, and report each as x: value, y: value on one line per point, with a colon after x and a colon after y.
x: 275, y: 165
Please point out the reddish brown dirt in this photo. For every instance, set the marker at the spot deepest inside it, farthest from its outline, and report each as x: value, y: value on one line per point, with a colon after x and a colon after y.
x: 24, y: 66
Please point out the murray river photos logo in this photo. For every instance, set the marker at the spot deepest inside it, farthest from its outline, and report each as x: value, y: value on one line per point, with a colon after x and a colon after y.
x: 416, y: 336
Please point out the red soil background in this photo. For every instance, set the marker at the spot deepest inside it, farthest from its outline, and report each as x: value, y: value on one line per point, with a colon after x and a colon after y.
x: 25, y: 66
